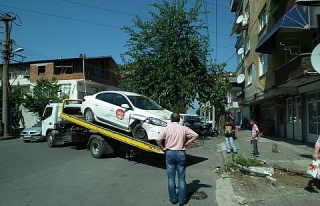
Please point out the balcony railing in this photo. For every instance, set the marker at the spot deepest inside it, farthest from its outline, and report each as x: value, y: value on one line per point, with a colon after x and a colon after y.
x: 294, y: 68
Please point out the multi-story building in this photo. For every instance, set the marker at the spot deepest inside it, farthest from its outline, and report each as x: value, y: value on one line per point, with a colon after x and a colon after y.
x: 77, y: 77
x: 275, y: 40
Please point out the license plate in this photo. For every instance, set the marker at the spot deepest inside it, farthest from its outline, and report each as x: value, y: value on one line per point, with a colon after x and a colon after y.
x: 27, y: 136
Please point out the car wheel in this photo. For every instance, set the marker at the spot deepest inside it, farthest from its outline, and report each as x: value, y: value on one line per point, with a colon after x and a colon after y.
x: 50, y: 139
x: 140, y: 133
x: 88, y: 115
x: 96, y: 149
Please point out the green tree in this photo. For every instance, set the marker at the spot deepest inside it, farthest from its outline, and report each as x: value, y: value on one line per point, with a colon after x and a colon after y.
x: 166, y: 57
x: 44, y: 92
x: 214, y: 87
x: 16, y: 101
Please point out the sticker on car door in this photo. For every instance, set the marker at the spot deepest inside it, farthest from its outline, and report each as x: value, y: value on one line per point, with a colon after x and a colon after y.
x: 120, y: 114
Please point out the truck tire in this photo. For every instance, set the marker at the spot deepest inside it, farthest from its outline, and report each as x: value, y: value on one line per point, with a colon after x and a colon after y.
x: 50, y: 139
x: 88, y: 115
x: 96, y: 148
x: 140, y: 133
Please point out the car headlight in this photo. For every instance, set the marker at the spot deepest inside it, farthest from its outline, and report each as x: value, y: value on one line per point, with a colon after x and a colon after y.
x: 156, y: 121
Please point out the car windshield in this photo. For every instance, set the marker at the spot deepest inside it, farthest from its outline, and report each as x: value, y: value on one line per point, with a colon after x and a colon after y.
x: 145, y: 103
x: 194, y: 119
x: 38, y: 124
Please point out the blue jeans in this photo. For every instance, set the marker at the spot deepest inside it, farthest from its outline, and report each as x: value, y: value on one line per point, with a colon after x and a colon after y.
x: 255, y: 147
x: 229, y: 142
x: 175, y: 162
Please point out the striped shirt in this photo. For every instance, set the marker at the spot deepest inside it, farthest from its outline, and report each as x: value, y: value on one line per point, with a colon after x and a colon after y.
x: 176, y: 136
x: 254, y: 131
x: 318, y: 142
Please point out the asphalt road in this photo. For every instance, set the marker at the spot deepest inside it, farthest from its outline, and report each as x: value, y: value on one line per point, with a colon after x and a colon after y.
x: 34, y: 174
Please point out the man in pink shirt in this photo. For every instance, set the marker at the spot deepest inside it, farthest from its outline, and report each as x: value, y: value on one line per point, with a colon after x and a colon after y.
x: 177, y: 138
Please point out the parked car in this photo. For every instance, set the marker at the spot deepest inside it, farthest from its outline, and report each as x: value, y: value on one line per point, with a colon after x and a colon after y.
x: 127, y: 111
x: 32, y: 133
x: 195, y: 123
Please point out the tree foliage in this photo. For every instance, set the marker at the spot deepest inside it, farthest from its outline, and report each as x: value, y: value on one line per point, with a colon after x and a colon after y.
x: 214, y: 87
x: 166, y: 57
x: 44, y: 92
x: 16, y: 101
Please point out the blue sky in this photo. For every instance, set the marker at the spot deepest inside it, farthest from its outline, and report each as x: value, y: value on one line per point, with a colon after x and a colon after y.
x: 50, y: 29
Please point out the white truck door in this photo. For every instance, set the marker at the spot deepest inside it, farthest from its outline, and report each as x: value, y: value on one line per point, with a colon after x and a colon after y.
x: 50, y: 117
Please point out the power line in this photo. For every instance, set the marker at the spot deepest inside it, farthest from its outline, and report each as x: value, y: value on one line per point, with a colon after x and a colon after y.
x: 96, y: 7
x: 63, y: 17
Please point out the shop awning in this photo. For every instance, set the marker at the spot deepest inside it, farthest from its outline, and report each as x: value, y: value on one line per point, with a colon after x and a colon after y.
x: 298, y: 17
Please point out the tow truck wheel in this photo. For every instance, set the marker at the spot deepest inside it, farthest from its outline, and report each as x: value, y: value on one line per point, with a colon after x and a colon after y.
x: 140, y: 133
x: 50, y: 139
x: 96, y: 149
x: 88, y: 115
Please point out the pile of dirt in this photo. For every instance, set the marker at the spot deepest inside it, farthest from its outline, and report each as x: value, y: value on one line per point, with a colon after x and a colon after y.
x: 283, y: 178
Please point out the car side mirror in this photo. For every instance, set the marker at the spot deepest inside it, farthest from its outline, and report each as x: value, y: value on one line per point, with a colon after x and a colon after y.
x: 125, y: 106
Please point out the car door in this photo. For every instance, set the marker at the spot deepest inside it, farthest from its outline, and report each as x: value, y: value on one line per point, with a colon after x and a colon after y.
x: 102, y: 105
x: 120, y: 116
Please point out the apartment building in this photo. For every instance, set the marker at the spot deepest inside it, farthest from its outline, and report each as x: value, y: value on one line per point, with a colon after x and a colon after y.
x: 77, y: 77
x: 275, y: 40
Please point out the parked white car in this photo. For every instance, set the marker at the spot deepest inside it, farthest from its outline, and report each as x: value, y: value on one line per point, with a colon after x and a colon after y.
x: 127, y: 111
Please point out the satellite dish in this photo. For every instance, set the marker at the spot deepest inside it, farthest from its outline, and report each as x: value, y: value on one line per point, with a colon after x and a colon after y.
x: 240, y: 78
x: 240, y: 51
x: 239, y: 19
x: 315, y: 58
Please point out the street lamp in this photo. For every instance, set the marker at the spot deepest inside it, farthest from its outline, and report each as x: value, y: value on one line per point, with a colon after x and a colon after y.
x: 17, y: 50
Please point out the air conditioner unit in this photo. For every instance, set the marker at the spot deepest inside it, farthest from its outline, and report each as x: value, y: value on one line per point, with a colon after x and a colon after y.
x: 245, y: 23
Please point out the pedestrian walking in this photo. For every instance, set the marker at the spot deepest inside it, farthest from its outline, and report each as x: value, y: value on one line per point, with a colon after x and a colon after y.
x: 254, y: 138
x: 177, y: 138
x: 231, y: 118
x: 229, y: 129
x: 316, y: 149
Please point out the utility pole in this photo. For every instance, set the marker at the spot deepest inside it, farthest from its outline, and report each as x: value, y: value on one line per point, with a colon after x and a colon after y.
x: 5, y: 81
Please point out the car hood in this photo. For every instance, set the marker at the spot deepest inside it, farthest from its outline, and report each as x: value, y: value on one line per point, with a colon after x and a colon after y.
x: 160, y: 114
x: 31, y: 129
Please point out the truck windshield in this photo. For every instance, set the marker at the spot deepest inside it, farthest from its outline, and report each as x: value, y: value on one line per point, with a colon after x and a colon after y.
x: 145, y: 103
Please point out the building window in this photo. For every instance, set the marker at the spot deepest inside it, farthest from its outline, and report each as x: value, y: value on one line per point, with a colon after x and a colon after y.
x: 41, y: 70
x: 263, y: 64
x: 263, y: 18
x: 249, y: 75
x: 65, y: 91
x: 315, y: 38
x: 292, y: 48
x: 63, y: 70
x: 13, y: 75
x: 247, y: 45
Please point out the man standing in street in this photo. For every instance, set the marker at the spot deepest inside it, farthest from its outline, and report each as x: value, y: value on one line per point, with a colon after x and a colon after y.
x: 177, y: 138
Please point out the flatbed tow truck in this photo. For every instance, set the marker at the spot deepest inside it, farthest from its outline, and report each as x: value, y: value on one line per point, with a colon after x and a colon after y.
x: 63, y: 123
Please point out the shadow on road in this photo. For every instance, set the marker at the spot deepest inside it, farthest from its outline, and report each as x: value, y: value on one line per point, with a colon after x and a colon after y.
x: 158, y: 160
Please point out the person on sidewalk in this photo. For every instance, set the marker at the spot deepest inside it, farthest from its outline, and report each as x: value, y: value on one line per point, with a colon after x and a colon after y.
x: 232, y: 120
x: 316, y: 149
x: 254, y: 138
x: 228, y: 130
x: 177, y: 138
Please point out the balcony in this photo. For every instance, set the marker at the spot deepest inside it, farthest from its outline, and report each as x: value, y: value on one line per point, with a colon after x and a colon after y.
x: 295, y: 72
x: 233, y: 5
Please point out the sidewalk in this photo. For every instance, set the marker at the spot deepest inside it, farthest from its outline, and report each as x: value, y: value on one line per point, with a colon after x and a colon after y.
x: 291, y: 154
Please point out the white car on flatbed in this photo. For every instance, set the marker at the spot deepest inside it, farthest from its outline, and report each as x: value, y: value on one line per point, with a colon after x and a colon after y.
x: 127, y: 111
